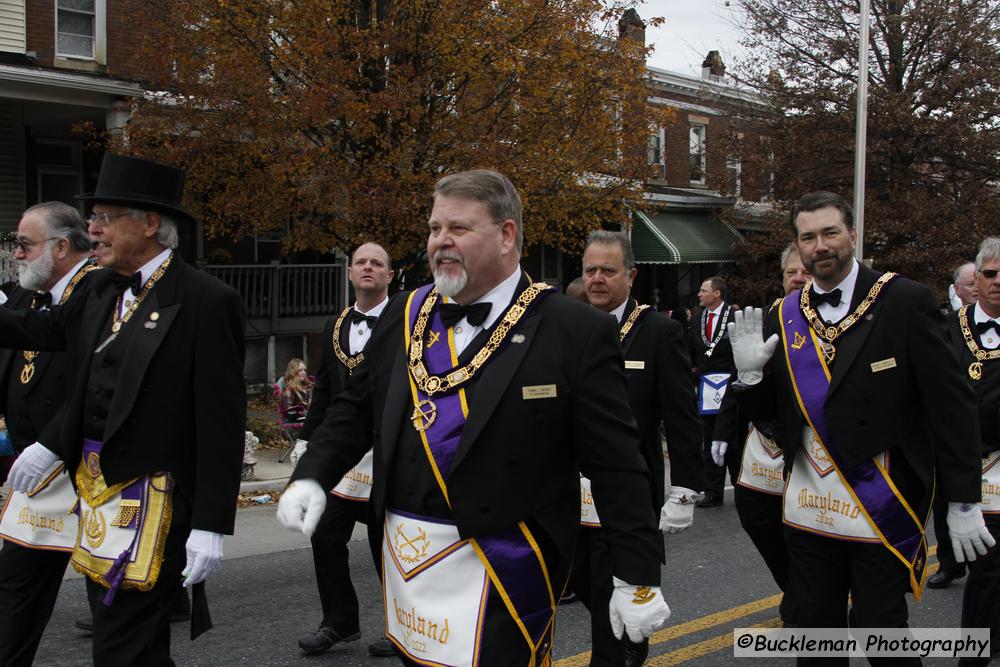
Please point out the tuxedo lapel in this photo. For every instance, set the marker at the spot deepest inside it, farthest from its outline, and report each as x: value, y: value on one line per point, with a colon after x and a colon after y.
x: 850, y: 345
x: 627, y: 343
x: 493, y: 385
x: 397, y: 402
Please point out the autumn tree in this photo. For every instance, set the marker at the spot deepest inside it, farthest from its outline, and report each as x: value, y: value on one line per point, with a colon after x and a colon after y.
x: 333, y: 119
x: 933, y: 159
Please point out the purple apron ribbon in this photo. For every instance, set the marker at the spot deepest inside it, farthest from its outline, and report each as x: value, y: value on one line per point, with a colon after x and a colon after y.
x: 890, y: 515
x: 511, y: 557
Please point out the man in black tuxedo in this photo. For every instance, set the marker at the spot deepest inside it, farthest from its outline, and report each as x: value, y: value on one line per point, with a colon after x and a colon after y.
x: 51, y: 251
x: 159, y: 389
x: 865, y: 356
x: 660, y: 392
x: 713, y: 360
x: 344, y: 341
x: 975, y: 340
x: 478, y: 395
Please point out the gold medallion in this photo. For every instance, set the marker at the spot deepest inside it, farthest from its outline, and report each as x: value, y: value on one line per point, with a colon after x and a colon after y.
x: 829, y: 351
x: 96, y: 527
x: 27, y: 372
x: 976, y: 370
x: 423, y: 418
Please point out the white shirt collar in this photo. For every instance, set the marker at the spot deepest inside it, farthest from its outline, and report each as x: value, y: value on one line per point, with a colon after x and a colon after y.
x: 152, y: 265
x: 619, y: 312
x: 376, y: 311
x: 981, y: 316
x: 718, y: 309
x: 500, y: 297
x: 846, y: 286
x: 60, y: 287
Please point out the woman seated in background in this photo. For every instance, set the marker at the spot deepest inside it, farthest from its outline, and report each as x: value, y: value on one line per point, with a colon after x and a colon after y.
x: 296, y: 391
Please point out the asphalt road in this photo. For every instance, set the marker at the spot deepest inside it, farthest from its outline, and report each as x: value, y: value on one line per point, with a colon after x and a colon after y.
x: 264, y: 598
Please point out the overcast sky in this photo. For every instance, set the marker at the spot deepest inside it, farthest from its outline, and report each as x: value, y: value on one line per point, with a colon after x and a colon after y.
x: 692, y: 29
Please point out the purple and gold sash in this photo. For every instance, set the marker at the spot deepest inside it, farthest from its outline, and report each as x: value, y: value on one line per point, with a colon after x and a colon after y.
x: 888, y: 513
x: 511, y: 556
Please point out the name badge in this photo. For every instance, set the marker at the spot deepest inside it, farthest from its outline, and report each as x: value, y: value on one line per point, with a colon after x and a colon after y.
x: 635, y: 365
x: 884, y: 365
x: 538, y: 391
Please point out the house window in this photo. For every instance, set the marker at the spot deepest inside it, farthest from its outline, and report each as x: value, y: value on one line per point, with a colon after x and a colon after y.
x: 697, y: 154
x: 654, y: 150
x: 734, y: 175
x: 76, y: 28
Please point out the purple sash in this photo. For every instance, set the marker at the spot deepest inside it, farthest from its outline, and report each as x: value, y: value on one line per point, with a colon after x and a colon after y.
x: 887, y: 511
x: 511, y: 556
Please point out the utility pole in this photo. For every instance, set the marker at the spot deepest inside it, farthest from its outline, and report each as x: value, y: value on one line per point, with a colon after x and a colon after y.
x: 861, y: 133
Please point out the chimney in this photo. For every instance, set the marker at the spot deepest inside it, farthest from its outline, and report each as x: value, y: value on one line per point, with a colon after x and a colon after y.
x: 713, y: 69
x: 630, y: 26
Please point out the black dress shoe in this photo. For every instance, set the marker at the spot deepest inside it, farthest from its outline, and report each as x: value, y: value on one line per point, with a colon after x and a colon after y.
x: 382, y: 648
x: 709, y: 501
x: 324, y: 639
x: 943, y: 578
x: 635, y: 654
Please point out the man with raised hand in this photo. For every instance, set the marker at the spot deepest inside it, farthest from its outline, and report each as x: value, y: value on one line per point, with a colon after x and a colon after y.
x: 871, y: 411
x: 344, y: 341
x: 661, y: 393
x: 477, y: 393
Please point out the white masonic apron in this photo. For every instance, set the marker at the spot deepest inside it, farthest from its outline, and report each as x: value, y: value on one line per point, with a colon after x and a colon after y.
x: 763, y: 465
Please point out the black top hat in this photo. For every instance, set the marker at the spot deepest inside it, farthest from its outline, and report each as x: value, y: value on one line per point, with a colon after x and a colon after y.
x: 138, y: 183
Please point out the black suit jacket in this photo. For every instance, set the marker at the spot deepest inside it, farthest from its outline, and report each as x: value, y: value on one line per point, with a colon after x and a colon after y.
x: 517, y: 459
x: 180, y: 401
x: 721, y: 360
x: 921, y: 407
x: 31, y: 410
x: 986, y: 389
x: 663, y: 392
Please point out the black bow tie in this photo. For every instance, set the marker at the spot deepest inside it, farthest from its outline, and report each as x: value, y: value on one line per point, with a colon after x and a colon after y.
x: 357, y: 317
x: 123, y: 283
x: 983, y: 327
x: 476, y: 313
x: 41, y: 300
x: 832, y: 297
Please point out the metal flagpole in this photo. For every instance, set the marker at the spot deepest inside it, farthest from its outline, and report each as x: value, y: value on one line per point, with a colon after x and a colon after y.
x: 861, y: 133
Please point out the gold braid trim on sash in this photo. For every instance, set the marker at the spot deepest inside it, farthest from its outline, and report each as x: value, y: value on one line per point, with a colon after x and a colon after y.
x: 630, y: 322
x: 436, y: 384
x: 981, y: 355
x: 347, y: 360
x: 833, y: 332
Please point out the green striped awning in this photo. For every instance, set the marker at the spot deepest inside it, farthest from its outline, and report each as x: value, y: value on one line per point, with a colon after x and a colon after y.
x: 682, y: 237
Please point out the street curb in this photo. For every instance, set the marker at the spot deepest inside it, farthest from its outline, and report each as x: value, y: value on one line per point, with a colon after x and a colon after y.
x: 278, y: 484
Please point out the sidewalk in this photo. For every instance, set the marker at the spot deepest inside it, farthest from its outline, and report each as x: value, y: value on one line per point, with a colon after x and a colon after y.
x: 269, y: 474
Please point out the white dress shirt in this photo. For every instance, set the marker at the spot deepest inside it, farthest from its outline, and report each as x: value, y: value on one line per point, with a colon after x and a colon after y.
x: 988, y: 340
x: 499, y: 297
x: 360, y: 332
x: 833, y: 314
x: 619, y: 312
x: 146, y: 271
x: 59, y: 288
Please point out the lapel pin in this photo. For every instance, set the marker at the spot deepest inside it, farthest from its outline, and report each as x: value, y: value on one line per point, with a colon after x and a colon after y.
x: 869, y: 317
x: 154, y: 316
x: 150, y: 325
x: 517, y: 338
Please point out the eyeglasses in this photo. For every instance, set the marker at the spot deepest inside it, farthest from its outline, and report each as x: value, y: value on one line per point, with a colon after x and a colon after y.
x: 27, y: 244
x: 990, y: 274
x: 102, y: 219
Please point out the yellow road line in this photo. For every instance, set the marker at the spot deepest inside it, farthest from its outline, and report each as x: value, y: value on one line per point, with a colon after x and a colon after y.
x: 717, y: 643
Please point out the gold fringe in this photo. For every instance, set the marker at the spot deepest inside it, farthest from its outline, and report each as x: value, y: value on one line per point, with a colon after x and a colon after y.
x: 127, y: 513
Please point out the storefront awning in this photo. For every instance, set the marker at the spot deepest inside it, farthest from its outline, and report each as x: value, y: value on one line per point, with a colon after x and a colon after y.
x: 682, y: 237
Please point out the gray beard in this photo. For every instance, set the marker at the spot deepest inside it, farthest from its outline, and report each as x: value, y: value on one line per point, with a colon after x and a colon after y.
x: 34, y: 275
x: 450, y: 286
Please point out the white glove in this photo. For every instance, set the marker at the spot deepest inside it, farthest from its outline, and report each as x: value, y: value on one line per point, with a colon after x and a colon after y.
x: 750, y: 351
x: 302, y: 505
x: 968, y: 531
x: 719, y: 448
x: 298, y: 451
x: 30, y: 467
x: 637, y: 610
x: 204, y: 553
x: 677, y: 513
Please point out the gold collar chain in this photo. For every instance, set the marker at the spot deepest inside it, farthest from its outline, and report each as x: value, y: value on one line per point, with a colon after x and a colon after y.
x: 833, y: 332
x: 630, y: 322
x: 981, y: 355
x: 347, y: 360
x: 118, y: 322
x: 28, y: 370
x: 453, y: 379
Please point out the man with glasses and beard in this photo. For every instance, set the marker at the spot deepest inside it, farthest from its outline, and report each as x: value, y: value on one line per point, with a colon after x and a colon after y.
x: 872, y: 414
x: 51, y: 251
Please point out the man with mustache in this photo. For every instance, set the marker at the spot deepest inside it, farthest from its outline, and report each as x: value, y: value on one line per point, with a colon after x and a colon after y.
x: 51, y: 250
x: 344, y: 341
x: 872, y: 414
x: 154, y: 425
x: 975, y: 339
x: 477, y: 394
